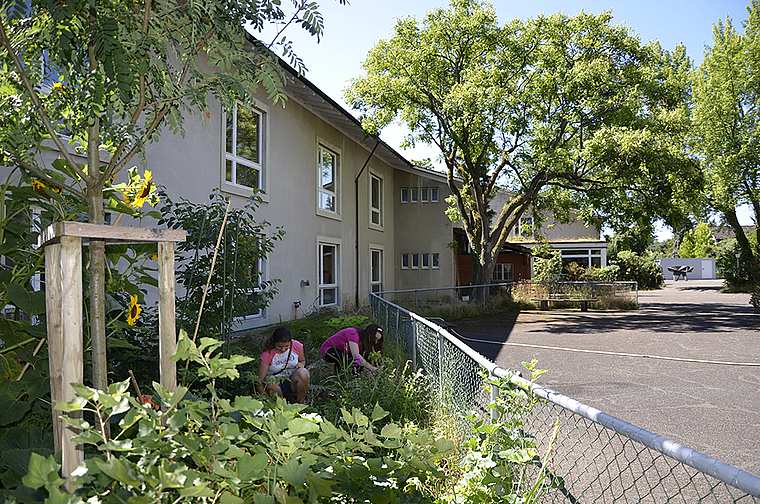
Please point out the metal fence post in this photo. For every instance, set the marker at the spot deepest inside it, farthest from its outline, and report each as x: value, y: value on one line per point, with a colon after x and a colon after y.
x: 494, y: 398
x: 440, y: 362
x: 416, y: 307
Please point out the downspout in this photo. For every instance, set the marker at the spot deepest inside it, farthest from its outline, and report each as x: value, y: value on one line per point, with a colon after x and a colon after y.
x: 356, y: 197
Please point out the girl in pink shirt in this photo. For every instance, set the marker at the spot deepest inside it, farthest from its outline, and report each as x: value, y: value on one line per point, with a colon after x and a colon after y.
x: 351, y: 347
x: 282, y: 368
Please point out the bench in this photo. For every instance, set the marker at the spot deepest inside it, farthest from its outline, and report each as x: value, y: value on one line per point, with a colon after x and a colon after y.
x: 545, y: 302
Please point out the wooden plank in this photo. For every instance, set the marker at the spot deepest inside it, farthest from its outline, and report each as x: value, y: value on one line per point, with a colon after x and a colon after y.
x: 118, y: 234
x: 167, y: 332
x: 72, y: 360
x: 53, y: 287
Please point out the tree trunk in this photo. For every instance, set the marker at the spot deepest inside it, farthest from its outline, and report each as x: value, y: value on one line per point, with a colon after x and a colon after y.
x: 97, y: 295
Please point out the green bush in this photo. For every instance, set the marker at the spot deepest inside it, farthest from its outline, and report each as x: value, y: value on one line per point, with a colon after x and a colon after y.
x: 635, y: 268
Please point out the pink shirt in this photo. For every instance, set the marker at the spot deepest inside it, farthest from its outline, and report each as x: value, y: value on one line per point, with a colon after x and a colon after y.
x: 282, y: 363
x: 340, y: 340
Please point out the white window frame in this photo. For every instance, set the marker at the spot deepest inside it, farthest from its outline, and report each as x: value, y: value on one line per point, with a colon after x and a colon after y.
x: 404, y: 261
x: 524, y: 222
x: 376, y: 283
x: 231, y: 186
x: 414, y: 194
x: 435, y: 260
x: 415, y: 260
x: 323, y: 286
x: 424, y: 194
x: 500, y: 272
x: 261, y: 265
x: 425, y: 262
x: 376, y: 208
x: 323, y: 146
x: 404, y: 195
x: 434, y: 195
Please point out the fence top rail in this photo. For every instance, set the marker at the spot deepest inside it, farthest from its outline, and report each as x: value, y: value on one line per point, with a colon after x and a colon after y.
x: 736, y: 477
x: 504, y: 284
x: 720, y: 470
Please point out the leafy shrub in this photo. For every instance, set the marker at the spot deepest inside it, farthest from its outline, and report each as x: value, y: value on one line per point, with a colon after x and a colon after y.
x: 235, y: 451
x: 635, y: 268
x: 547, y: 265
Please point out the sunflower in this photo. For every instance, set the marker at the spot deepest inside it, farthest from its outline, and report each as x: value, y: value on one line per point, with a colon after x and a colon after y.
x: 145, y: 190
x: 40, y: 187
x: 134, y: 310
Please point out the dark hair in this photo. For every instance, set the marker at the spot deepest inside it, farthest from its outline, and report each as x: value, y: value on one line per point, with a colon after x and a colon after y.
x: 367, y: 340
x: 280, y: 335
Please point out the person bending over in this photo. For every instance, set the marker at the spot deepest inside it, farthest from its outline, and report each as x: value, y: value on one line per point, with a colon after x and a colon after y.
x: 282, y: 368
x: 350, y: 347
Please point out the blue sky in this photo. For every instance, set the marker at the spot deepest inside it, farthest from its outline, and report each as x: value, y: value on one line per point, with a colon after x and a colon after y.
x: 352, y: 30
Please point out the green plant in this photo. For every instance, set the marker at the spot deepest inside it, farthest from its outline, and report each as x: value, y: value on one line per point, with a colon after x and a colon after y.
x: 547, y: 265
x: 234, y: 451
x: 500, y: 462
x: 345, y: 321
x: 635, y: 268
x: 237, y: 287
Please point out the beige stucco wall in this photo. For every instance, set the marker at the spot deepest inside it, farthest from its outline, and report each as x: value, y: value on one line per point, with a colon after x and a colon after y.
x: 191, y: 168
x: 422, y: 228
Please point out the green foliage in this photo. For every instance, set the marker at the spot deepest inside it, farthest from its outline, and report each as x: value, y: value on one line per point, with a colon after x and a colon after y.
x: 559, y: 111
x: 345, y: 321
x: 501, y: 463
x: 235, y: 450
x: 698, y: 242
x: 727, y: 127
x: 636, y: 239
x: 635, y: 268
x: 407, y: 396
x: 237, y: 273
x: 547, y: 263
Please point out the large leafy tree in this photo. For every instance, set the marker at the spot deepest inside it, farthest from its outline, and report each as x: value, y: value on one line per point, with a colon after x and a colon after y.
x: 99, y: 79
x: 558, y: 111
x: 727, y: 119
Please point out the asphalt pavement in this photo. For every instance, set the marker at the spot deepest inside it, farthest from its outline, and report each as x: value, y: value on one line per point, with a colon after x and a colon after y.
x: 707, y: 398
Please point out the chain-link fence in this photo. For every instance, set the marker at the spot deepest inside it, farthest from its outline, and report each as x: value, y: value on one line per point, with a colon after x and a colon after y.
x: 494, y: 298
x: 599, y: 458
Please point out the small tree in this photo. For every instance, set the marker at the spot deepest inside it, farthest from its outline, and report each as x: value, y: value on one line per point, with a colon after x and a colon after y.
x: 698, y: 242
x: 99, y: 80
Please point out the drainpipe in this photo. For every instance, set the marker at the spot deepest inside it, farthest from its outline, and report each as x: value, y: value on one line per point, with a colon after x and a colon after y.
x: 356, y: 196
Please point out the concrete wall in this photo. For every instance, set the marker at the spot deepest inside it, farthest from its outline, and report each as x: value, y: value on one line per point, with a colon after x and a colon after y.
x: 703, y: 268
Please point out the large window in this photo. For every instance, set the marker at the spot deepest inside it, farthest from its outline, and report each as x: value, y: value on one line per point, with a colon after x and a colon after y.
x: 584, y: 257
x: 376, y: 201
x: 328, y: 274
x: 257, y: 278
x: 243, y: 147
x: 376, y: 270
x: 327, y: 176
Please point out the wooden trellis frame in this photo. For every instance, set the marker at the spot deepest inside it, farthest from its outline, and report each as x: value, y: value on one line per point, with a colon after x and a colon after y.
x: 62, y: 242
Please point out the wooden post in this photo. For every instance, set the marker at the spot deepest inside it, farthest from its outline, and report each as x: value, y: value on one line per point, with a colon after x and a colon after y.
x: 62, y: 242
x: 167, y: 332
x: 63, y: 278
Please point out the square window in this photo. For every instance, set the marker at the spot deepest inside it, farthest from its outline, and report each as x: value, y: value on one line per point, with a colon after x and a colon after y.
x: 404, y: 195
x: 434, y: 195
x: 243, y: 147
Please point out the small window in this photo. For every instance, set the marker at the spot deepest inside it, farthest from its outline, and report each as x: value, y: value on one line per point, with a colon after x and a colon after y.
x: 376, y: 201
x: 525, y: 227
x: 504, y: 272
x: 415, y: 261
x: 415, y: 194
x: 424, y: 194
x: 434, y: 195
x: 404, y: 261
x: 425, y: 261
x: 435, y: 260
x: 404, y: 195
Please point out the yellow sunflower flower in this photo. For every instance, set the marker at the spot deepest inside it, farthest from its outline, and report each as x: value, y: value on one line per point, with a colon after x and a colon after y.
x: 142, y: 196
x: 134, y: 310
